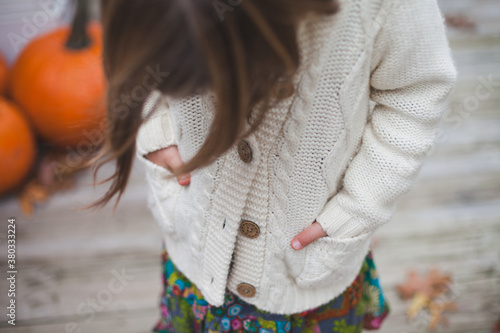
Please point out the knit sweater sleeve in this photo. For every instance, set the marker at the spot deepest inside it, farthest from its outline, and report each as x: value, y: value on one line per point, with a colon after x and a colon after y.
x: 156, y: 132
x: 412, y: 74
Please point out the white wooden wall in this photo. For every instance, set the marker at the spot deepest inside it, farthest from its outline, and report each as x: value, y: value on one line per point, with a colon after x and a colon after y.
x: 22, y: 20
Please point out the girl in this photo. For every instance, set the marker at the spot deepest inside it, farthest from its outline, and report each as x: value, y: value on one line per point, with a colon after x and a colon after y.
x: 277, y: 136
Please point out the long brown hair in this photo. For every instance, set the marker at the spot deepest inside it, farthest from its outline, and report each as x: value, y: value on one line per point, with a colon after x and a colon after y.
x: 238, y: 49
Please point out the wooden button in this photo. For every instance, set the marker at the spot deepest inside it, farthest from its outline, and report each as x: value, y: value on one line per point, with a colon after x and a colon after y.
x: 245, y: 289
x: 244, y: 151
x: 249, y: 229
x: 283, y: 90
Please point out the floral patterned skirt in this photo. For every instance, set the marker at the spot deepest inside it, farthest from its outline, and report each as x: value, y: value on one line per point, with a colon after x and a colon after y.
x: 184, y: 310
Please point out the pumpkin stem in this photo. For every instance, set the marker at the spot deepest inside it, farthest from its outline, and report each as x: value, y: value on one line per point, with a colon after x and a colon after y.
x: 79, y: 38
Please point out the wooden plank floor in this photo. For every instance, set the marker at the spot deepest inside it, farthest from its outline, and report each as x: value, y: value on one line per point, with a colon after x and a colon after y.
x: 82, y: 272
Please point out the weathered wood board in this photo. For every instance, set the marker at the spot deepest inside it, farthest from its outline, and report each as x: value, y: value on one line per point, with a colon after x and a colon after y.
x: 69, y: 261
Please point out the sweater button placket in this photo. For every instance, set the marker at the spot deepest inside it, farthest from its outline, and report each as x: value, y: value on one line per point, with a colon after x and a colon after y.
x: 244, y: 151
x: 246, y: 290
x: 284, y: 90
x: 249, y: 229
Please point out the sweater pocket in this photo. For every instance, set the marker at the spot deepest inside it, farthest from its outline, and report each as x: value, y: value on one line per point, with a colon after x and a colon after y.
x: 163, y: 194
x: 329, y: 260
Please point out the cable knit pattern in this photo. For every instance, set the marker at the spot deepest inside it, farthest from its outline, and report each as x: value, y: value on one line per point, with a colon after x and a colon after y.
x: 158, y: 132
x: 369, y: 95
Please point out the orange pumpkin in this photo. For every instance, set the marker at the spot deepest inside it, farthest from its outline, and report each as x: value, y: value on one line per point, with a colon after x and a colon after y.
x: 62, y: 88
x: 17, y: 146
x: 4, y: 72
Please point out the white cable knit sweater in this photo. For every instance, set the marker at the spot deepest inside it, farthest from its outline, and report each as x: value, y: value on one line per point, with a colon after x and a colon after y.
x: 368, y: 99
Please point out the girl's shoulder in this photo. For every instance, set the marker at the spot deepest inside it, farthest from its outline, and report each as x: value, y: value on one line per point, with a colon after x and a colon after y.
x: 359, y: 15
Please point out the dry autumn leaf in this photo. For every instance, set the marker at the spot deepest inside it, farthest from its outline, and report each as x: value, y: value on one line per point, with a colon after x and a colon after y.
x: 436, y: 309
x: 496, y: 328
x: 414, y: 283
x: 419, y: 302
x: 432, y: 285
x: 425, y: 294
x: 460, y: 22
x: 50, y: 178
x: 32, y: 193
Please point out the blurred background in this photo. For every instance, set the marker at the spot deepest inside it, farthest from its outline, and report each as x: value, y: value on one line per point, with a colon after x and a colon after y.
x: 82, y: 271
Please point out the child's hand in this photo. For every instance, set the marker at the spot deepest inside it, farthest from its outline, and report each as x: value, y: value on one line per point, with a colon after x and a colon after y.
x: 170, y: 159
x: 309, y: 235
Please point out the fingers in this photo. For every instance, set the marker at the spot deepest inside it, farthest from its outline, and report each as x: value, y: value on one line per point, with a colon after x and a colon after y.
x: 173, y: 160
x: 155, y: 157
x: 184, y: 180
x: 309, y: 235
x: 170, y: 159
